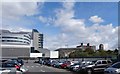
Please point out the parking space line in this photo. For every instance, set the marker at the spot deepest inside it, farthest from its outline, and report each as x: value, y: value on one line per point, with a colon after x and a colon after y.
x: 42, y: 71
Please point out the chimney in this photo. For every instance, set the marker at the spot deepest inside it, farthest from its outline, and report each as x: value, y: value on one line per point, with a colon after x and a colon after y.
x: 81, y: 44
x: 88, y: 44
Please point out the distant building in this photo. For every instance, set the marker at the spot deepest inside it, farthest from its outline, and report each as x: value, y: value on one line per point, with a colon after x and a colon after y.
x: 83, y: 47
x: 19, y: 44
x: 65, y: 52
x: 101, y: 47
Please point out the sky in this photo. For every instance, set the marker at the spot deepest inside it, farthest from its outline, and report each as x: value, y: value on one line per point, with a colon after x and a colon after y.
x: 65, y: 24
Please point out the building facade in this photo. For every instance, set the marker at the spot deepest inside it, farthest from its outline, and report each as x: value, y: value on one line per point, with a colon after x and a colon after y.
x: 18, y: 44
x: 65, y: 52
x: 83, y: 47
x: 37, y: 40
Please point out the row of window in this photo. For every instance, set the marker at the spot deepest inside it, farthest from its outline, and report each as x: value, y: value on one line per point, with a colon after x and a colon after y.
x: 14, y: 41
x: 17, y: 38
x: 26, y: 36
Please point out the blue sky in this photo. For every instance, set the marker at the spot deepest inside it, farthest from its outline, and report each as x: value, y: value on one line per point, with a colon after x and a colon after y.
x: 65, y: 22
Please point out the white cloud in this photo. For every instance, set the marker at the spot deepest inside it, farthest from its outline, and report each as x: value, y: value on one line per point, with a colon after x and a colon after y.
x: 15, y: 28
x: 15, y: 10
x: 46, y: 20
x: 13, y: 14
x: 42, y: 19
x: 96, y: 19
x: 75, y: 31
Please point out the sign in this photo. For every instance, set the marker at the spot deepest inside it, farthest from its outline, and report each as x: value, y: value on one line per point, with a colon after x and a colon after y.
x: 54, y: 54
x: 35, y: 55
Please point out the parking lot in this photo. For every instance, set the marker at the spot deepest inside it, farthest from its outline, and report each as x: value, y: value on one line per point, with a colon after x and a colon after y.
x: 35, y: 67
x: 59, y: 67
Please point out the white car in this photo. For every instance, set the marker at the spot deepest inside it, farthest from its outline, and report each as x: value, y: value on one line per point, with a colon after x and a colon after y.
x: 76, y: 68
x: 114, y: 69
x: 4, y: 71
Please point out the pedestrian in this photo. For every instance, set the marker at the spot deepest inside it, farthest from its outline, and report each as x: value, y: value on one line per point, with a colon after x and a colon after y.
x: 18, y: 67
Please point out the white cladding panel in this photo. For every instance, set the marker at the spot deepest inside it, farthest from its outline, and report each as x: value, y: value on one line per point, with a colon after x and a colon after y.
x: 35, y: 55
x: 54, y: 54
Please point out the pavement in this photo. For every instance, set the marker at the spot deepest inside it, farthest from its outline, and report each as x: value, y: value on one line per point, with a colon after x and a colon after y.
x: 35, y: 68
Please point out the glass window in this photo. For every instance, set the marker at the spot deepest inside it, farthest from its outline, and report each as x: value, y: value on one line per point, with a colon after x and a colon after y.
x: 99, y: 62
x: 104, y: 62
x: 109, y: 61
x: 116, y: 65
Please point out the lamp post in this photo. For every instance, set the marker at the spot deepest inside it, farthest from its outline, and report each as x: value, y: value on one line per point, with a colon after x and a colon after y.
x: 118, y: 53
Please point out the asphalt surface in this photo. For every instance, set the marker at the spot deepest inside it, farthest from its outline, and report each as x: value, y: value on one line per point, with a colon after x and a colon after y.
x: 35, y: 68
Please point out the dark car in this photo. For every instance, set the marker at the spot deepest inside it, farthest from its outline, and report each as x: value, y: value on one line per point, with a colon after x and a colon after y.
x: 97, y: 66
x: 58, y: 64
x: 20, y: 61
x: 114, y: 69
x: 53, y: 63
x: 72, y: 66
x: 9, y: 63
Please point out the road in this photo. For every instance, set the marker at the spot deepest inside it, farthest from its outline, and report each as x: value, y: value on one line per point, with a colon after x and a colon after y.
x: 35, y: 68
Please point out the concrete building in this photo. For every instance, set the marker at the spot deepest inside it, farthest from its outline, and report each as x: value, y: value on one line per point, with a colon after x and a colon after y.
x: 37, y: 40
x: 101, y: 47
x: 83, y: 47
x: 64, y: 52
x: 15, y: 44
x: 19, y: 44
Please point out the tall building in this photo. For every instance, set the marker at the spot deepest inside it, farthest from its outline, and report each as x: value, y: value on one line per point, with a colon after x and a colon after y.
x: 19, y: 44
x: 37, y: 40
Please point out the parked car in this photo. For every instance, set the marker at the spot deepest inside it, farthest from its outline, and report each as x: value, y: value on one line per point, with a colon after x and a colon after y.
x: 78, y: 67
x: 114, y: 69
x: 65, y: 64
x: 58, y: 64
x: 10, y: 65
x: 97, y: 66
x: 75, y: 67
x: 20, y: 61
x: 53, y: 63
x: 72, y: 63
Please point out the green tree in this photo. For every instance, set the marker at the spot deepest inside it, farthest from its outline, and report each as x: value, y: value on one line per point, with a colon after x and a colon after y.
x: 89, y: 51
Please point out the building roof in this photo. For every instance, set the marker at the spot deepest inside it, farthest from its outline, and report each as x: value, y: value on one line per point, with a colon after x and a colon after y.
x: 67, y: 49
x: 7, y: 31
x: 34, y: 30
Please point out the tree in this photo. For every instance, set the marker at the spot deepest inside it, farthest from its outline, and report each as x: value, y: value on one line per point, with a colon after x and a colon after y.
x: 89, y: 51
x: 109, y: 52
x: 116, y: 51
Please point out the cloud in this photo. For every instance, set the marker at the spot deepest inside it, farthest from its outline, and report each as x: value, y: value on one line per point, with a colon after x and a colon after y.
x: 15, y: 10
x: 96, y: 19
x: 74, y: 31
x: 13, y: 14
x: 46, y: 20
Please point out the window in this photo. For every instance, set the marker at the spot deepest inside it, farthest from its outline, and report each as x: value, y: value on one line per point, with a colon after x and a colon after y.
x: 104, y: 62
x: 99, y: 62
x: 116, y: 65
x: 109, y: 61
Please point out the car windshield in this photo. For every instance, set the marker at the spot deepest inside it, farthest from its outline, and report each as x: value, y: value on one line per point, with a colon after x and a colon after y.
x: 116, y: 65
x: 76, y: 63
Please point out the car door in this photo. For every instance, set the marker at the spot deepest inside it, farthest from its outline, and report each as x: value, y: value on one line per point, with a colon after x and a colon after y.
x: 98, y: 66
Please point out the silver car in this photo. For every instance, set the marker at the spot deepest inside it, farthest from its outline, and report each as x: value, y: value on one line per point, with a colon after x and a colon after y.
x: 114, y: 69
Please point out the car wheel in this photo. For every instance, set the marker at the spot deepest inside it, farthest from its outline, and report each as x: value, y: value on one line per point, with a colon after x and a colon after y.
x: 89, y: 71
